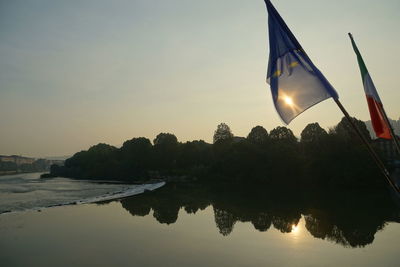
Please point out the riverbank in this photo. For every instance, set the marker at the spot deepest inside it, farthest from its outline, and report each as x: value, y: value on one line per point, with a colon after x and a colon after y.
x: 4, y: 173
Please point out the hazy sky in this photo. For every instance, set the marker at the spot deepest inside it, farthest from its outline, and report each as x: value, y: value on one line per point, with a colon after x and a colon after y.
x: 76, y: 73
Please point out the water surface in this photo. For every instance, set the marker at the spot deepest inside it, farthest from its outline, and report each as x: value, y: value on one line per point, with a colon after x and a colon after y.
x: 204, y: 225
x: 21, y: 192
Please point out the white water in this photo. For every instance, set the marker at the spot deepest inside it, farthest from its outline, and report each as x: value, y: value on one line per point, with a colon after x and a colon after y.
x: 22, y: 192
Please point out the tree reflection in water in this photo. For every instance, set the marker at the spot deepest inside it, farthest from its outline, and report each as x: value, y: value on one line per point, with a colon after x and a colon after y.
x: 349, y: 219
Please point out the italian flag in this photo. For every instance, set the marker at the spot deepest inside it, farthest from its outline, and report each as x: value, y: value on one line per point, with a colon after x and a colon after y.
x: 378, y: 116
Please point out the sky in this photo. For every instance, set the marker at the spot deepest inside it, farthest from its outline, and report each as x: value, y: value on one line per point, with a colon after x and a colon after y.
x: 77, y: 73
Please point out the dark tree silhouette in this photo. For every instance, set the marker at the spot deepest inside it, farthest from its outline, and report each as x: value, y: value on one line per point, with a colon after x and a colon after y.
x: 195, y: 156
x: 222, y: 133
x: 166, y: 149
x: 136, y: 157
x: 344, y: 130
x: 283, y: 134
x: 137, y: 146
x: 224, y: 221
x: 321, y: 159
x: 262, y: 222
x: 258, y: 135
x: 165, y: 139
x: 98, y: 162
x: 313, y: 134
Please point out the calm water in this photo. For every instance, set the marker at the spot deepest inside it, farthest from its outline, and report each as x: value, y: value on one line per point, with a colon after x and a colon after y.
x: 219, y: 225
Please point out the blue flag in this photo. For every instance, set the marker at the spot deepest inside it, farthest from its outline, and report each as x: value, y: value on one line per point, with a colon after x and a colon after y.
x: 296, y: 83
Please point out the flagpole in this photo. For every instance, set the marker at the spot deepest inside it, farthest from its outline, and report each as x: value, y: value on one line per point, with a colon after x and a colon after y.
x: 283, y: 46
x: 376, y: 158
x: 382, y: 109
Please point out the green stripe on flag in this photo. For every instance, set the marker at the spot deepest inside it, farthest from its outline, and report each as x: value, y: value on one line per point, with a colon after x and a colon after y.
x: 363, y: 68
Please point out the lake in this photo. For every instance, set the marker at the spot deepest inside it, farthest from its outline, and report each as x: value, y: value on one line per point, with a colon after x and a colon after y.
x: 206, y: 225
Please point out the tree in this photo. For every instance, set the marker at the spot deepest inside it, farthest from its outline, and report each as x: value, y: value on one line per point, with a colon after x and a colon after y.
x: 258, y: 135
x: 283, y: 134
x: 98, y: 162
x: 98, y: 153
x: 165, y: 139
x: 313, y: 134
x: 166, y: 148
x: 136, y: 145
x: 194, y: 154
x: 136, y: 155
x: 346, y: 131
x: 222, y: 133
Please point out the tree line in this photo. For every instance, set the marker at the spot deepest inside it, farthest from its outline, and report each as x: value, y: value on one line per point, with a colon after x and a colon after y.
x: 319, y: 158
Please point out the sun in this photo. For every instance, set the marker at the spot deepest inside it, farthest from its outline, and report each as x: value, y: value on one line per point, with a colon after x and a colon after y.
x: 295, y: 229
x: 288, y: 100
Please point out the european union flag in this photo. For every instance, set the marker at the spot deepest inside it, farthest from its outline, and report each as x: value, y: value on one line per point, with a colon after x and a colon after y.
x: 296, y: 83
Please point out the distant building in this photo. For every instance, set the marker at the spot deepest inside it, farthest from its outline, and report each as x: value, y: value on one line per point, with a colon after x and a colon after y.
x: 17, y: 159
x: 15, y: 164
x: 387, y: 147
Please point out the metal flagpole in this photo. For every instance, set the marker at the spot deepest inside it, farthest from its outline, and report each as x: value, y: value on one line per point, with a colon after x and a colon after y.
x: 369, y: 147
x: 381, y: 108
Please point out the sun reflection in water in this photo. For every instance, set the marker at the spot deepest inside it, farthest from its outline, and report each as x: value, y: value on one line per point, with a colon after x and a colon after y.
x: 295, y: 229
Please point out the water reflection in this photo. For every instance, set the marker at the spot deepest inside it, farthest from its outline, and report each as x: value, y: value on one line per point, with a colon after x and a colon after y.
x: 349, y: 219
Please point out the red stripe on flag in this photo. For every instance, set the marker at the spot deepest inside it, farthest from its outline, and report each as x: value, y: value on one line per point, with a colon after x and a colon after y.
x: 379, y: 124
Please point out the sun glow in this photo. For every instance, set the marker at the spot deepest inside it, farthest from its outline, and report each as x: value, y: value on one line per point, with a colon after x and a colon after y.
x: 288, y: 100
x: 295, y: 229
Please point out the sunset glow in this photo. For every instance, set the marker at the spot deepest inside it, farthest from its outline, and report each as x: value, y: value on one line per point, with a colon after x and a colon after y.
x: 288, y: 101
x: 295, y: 229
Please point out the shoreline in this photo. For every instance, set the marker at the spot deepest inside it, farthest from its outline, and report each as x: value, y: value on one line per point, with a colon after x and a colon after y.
x: 4, y: 173
x: 129, y: 191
